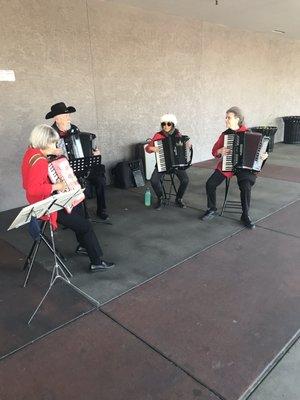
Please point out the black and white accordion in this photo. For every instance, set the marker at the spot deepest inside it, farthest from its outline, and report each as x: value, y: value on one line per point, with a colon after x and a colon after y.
x: 78, y: 144
x: 246, y: 150
x: 78, y: 149
x: 173, y: 153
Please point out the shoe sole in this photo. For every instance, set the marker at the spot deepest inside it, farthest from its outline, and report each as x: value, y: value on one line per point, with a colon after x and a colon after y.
x: 250, y: 227
x: 207, y: 218
x: 102, y: 269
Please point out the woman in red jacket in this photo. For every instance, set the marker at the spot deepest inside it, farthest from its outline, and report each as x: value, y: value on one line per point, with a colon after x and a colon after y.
x: 43, y: 140
x: 168, y: 127
x: 245, y: 178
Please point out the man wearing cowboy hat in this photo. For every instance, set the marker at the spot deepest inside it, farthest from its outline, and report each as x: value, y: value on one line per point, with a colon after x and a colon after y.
x: 62, y: 124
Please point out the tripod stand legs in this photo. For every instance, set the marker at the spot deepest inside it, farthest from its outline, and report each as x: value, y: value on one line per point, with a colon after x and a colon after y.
x: 55, y: 276
x: 45, y: 295
x: 32, y: 255
x: 59, y: 273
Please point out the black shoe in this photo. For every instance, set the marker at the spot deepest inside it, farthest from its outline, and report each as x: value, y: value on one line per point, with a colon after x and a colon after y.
x: 81, y: 250
x: 103, y: 216
x: 158, y: 204
x: 209, y: 214
x: 247, y: 222
x: 103, y: 266
x: 180, y: 203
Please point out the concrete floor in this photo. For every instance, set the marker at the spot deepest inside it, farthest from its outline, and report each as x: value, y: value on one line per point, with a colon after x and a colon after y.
x: 138, y: 258
x: 283, y: 381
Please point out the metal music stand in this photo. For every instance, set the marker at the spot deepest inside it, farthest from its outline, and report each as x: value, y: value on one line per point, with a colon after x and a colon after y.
x: 42, y: 238
x: 45, y: 208
x: 82, y: 167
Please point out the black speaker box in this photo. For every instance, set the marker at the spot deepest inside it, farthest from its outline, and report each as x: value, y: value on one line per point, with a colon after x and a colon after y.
x: 127, y: 174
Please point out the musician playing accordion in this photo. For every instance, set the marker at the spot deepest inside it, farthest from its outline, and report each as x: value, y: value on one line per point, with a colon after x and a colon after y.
x: 38, y: 186
x: 168, y: 129
x: 245, y: 177
x: 62, y: 124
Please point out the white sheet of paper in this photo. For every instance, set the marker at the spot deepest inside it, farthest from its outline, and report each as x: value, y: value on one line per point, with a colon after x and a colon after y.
x: 36, y: 210
x: 7, y: 75
x: 51, y: 204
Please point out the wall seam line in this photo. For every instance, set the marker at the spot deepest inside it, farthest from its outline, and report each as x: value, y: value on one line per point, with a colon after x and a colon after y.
x: 92, y: 64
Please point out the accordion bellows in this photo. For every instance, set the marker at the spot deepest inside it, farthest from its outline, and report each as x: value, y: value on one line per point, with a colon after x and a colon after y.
x: 60, y: 170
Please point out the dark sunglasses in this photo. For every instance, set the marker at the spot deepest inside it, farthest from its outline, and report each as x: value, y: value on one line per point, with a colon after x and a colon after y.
x: 166, y: 123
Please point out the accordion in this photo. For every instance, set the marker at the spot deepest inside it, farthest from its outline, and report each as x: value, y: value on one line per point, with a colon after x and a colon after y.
x: 60, y: 170
x: 246, y: 150
x: 173, y: 153
x: 78, y: 149
x: 78, y: 144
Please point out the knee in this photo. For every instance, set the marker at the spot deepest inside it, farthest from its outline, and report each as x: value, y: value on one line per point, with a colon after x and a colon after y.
x: 99, y: 181
x: 244, y: 185
x: 85, y: 226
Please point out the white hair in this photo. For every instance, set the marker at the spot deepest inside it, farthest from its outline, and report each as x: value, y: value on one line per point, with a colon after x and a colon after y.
x: 42, y: 136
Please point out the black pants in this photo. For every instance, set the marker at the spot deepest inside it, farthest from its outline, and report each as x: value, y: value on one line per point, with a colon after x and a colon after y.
x: 156, y: 182
x: 83, y: 230
x: 245, y: 179
x: 98, y: 179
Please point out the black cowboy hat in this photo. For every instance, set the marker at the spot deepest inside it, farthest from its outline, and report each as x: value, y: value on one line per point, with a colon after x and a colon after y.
x: 59, y: 108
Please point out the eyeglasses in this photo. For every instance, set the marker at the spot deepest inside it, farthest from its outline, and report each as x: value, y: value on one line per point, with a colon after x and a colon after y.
x: 166, y: 123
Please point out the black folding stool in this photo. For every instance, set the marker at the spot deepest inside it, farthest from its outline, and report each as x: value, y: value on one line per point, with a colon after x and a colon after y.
x: 230, y: 206
x: 169, y: 187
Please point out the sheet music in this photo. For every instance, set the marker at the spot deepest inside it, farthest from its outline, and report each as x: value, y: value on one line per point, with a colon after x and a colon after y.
x: 33, y: 210
x: 65, y: 199
x: 49, y: 205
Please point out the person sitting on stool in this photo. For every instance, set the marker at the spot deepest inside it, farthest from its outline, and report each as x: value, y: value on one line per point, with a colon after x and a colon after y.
x: 42, y: 143
x: 62, y: 124
x: 246, y: 178
x: 168, y: 127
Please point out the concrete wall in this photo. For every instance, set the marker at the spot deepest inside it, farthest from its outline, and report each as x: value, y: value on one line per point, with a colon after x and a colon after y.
x: 123, y: 67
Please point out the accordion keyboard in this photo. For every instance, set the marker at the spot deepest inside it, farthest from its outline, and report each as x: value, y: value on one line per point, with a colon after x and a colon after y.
x: 160, y: 157
x: 227, y: 164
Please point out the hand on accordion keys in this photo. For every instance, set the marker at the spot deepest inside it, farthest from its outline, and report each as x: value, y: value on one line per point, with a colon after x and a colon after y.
x: 188, y: 144
x: 96, y: 152
x: 60, y: 186
x: 154, y: 149
x: 264, y: 156
x: 223, y: 151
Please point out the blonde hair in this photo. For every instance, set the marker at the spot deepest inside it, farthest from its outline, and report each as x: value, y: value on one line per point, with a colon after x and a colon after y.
x: 42, y: 136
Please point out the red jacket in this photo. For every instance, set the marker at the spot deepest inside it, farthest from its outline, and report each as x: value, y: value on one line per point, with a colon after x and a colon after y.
x: 159, y: 136
x: 35, y: 178
x: 218, y: 145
